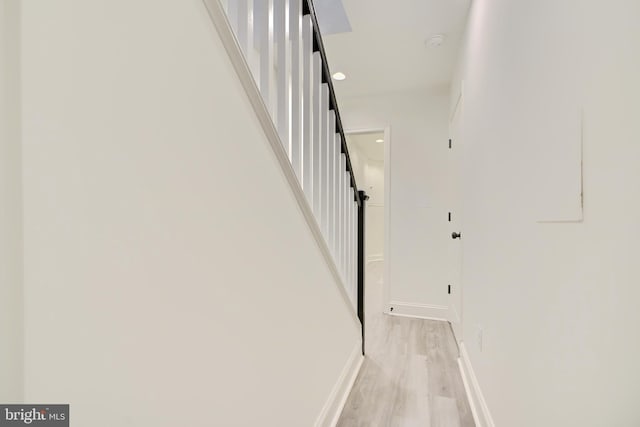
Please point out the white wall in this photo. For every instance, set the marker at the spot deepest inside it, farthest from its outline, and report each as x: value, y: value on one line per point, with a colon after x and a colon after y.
x: 10, y: 207
x: 418, y: 240
x: 170, y: 277
x: 558, y: 301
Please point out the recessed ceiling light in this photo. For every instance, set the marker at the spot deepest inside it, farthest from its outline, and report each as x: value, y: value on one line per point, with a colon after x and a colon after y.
x: 379, y: 140
x: 435, y: 40
x: 339, y: 76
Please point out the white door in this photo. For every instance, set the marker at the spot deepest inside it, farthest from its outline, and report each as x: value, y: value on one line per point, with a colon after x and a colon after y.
x: 454, y: 221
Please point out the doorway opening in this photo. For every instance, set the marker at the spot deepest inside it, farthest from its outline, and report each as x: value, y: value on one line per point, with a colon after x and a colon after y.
x: 368, y: 151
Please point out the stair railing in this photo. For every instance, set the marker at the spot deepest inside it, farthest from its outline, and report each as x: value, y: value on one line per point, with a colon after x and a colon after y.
x: 283, y: 48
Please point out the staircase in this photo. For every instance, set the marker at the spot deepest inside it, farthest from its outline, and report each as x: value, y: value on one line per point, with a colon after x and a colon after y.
x: 280, y: 57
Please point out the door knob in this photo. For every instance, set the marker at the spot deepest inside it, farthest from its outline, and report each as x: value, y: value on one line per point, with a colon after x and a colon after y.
x: 455, y: 235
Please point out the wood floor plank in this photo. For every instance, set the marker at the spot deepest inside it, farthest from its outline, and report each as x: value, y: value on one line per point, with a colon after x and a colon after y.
x: 444, y: 413
x: 409, y: 378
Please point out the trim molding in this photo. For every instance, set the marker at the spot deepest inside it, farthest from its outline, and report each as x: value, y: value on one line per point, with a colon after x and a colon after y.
x: 375, y: 258
x: 479, y: 408
x: 467, y: 390
x: 421, y: 311
x: 456, y: 323
x: 332, y: 409
x: 223, y: 27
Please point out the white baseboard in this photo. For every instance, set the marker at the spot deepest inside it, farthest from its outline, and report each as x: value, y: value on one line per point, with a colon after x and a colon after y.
x: 479, y: 408
x: 332, y: 409
x: 422, y: 311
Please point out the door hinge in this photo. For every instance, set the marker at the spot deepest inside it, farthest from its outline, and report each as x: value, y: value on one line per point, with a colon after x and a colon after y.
x: 449, y: 143
x: 449, y: 290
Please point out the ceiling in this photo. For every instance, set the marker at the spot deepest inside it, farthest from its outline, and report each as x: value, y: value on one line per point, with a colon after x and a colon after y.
x: 332, y: 18
x: 367, y: 145
x: 386, y: 50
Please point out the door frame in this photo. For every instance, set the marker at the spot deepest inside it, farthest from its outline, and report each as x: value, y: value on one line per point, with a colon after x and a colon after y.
x: 455, y: 120
x: 387, y: 215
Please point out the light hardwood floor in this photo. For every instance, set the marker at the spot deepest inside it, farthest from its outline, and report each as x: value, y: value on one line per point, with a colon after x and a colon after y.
x: 410, y: 376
